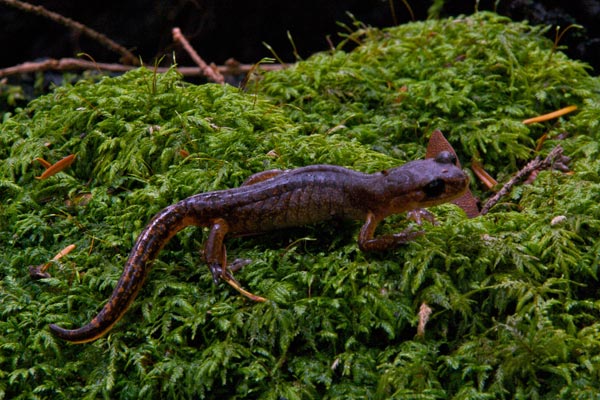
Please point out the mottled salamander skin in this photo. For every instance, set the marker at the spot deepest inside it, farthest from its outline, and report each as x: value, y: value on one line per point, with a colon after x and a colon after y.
x: 280, y: 199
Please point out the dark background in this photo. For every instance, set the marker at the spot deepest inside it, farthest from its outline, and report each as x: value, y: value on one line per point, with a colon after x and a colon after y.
x: 221, y: 29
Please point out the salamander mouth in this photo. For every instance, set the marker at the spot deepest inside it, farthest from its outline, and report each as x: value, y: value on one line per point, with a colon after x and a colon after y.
x: 456, y: 187
x: 438, y: 191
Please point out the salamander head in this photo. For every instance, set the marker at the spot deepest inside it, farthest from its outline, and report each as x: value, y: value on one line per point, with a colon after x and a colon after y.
x: 424, y: 183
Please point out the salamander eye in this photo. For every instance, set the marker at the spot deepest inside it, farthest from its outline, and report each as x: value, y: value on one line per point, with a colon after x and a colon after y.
x: 435, y: 188
x: 445, y: 157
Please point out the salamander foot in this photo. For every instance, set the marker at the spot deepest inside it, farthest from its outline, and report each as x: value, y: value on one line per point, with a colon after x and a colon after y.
x: 219, y: 273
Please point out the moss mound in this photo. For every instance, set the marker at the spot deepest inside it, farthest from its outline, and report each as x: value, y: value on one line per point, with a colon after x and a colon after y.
x: 514, y: 293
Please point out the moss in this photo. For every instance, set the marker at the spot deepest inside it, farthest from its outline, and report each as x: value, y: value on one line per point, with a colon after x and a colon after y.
x: 515, y: 305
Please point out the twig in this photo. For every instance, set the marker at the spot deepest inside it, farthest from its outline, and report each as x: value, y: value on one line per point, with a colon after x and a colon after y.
x: 552, y: 115
x: 128, y: 56
x: 535, y: 165
x: 64, y: 64
x: 231, y: 67
x: 209, y: 72
x: 40, y: 271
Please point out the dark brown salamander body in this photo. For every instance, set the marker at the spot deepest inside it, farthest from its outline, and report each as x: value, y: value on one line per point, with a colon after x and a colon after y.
x: 279, y: 199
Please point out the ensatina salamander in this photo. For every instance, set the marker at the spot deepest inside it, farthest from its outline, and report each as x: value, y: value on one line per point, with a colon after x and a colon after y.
x: 279, y: 199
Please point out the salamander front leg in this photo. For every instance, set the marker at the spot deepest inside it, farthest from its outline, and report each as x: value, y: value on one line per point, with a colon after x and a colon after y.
x: 216, y: 258
x: 368, y: 242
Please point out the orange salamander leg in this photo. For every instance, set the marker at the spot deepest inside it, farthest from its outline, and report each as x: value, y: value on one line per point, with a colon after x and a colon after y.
x: 216, y: 258
x: 262, y: 176
x: 368, y: 242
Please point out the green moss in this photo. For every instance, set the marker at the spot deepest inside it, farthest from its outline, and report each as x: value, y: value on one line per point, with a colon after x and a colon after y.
x: 513, y: 293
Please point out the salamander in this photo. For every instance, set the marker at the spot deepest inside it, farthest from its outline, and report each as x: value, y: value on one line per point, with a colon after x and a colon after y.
x: 279, y: 199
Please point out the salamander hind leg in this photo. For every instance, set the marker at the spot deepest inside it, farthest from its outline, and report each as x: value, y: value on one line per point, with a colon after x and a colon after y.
x: 238, y: 264
x: 216, y: 257
x: 215, y: 253
x: 262, y: 176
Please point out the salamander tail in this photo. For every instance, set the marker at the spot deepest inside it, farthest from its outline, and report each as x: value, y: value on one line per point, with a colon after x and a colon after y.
x: 87, y: 333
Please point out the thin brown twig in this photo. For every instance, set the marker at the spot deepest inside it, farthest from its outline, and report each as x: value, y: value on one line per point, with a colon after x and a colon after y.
x: 231, y: 68
x: 535, y: 165
x: 127, y: 56
x: 209, y: 72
